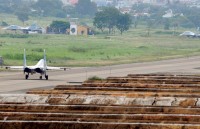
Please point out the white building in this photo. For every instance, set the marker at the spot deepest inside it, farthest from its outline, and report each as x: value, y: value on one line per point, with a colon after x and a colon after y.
x: 169, y: 14
x: 73, y: 29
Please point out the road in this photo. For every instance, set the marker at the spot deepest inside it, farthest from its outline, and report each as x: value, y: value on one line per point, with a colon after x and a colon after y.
x: 14, y: 82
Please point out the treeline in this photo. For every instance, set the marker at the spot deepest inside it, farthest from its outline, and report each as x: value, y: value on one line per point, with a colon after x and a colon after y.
x: 110, y: 18
x: 53, y: 8
x: 106, y: 17
x: 182, y: 15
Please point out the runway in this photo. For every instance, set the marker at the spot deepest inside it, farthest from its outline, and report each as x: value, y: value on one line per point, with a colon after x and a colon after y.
x: 14, y: 82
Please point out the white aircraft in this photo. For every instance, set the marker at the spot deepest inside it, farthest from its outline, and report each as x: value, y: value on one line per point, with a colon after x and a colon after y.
x: 41, y: 67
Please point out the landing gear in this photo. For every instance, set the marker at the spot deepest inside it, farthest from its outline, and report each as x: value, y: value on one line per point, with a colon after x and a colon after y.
x: 40, y: 77
x: 26, y: 77
x: 47, y: 77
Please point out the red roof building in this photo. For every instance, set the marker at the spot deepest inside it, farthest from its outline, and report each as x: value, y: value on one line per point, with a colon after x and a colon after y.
x: 73, y: 1
x: 70, y: 2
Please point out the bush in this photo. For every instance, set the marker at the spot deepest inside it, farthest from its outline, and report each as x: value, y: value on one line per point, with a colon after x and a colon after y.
x: 37, y: 50
x: 77, y: 49
x: 13, y: 56
x: 95, y: 78
x: 4, y: 24
x: 32, y: 57
x: 14, y: 35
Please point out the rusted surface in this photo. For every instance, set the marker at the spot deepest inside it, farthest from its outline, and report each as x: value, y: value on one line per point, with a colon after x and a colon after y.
x: 94, y: 125
x: 155, y: 101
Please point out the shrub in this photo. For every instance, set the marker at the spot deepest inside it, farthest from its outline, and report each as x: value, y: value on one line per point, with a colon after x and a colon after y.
x: 14, y: 35
x: 77, y: 49
x: 37, y: 50
x: 94, y: 78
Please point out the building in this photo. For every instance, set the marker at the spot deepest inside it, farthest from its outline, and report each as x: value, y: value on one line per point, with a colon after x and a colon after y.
x: 70, y: 2
x: 79, y: 30
x: 169, y: 14
x: 84, y: 30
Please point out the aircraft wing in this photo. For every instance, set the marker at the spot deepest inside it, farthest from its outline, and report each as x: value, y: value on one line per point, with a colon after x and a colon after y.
x: 15, y: 67
x: 34, y: 67
x: 56, y: 68
x: 20, y: 67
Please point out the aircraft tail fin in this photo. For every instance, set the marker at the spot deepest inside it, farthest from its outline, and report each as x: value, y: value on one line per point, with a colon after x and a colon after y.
x: 24, y: 63
x: 45, y: 61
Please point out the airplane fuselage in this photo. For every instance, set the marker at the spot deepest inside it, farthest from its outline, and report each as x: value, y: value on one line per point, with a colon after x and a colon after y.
x: 41, y: 67
x: 33, y: 71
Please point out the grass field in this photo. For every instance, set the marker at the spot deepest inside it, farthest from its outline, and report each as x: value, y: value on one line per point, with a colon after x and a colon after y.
x: 65, y: 50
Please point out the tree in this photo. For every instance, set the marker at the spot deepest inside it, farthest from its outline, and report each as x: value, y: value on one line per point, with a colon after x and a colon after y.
x: 195, y: 19
x: 22, y: 16
x: 69, y: 10
x: 8, y: 6
x: 110, y: 17
x: 59, y: 27
x: 22, y: 12
x: 150, y: 23
x: 86, y: 7
x: 166, y: 24
x: 100, y: 20
x: 107, y: 18
x: 3, y: 23
x: 123, y: 22
x: 49, y: 7
x: 136, y: 21
x: 111, y: 14
x: 190, y: 14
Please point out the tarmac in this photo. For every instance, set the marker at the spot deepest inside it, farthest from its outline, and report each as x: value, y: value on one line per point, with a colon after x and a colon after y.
x: 13, y: 82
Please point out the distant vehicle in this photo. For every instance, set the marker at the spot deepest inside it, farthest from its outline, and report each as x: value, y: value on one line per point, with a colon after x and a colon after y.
x: 188, y: 34
x: 33, y: 29
x: 41, y: 67
x: 198, y: 35
x: 13, y: 27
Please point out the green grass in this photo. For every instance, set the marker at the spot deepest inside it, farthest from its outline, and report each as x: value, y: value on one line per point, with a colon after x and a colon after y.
x: 103, y: 49
x: 63, y: 50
